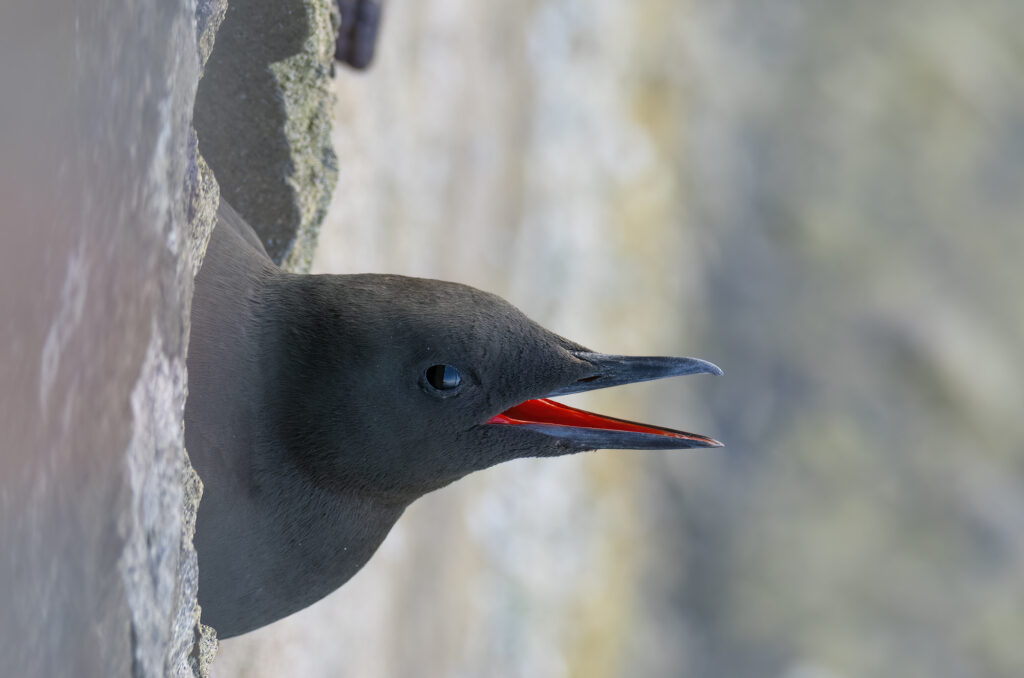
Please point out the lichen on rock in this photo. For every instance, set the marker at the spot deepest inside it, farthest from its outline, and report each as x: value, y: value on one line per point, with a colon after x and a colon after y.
x: 209, y: 15
x: 304, y: 79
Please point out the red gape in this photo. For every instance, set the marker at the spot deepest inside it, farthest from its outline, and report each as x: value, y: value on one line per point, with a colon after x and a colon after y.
x: 544, y: 411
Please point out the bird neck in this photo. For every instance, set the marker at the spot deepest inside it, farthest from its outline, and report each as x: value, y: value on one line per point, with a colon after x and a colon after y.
x: 309, y: 418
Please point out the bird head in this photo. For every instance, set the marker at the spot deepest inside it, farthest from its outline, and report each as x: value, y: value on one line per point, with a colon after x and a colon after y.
x: 397, y: 386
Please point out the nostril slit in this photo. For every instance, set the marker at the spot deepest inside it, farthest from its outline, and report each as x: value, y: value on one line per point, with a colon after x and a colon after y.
x: 586, y: 379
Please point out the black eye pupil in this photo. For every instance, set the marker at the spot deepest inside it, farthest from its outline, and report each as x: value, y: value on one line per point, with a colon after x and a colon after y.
x: 443, y: 377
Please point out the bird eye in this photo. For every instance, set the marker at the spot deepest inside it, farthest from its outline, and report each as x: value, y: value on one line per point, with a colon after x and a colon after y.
x: 443, y: 377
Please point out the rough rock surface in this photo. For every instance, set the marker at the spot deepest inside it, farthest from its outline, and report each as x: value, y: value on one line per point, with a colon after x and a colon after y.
x: 99, y: 178
x: 108, y: 207
x: 159, y: 564
x: 263, y: 114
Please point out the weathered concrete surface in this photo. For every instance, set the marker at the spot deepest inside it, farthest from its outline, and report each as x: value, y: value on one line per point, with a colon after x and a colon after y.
x: 209, y: 17
x: 101, y: 181
x: 197, y: 642
x: 263, y: 116
x: 108, y: 207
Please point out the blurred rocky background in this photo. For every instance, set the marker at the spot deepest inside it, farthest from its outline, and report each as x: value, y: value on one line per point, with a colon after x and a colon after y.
x: 825, y: 198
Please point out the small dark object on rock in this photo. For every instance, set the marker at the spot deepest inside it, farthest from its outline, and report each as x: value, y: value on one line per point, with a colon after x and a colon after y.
x: 357, y: 37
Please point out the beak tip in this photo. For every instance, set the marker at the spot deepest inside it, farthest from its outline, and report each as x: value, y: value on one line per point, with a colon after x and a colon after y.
x: 706, y: 366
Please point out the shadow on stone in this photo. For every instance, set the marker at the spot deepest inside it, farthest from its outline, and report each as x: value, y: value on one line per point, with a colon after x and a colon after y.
x: 240, y: 116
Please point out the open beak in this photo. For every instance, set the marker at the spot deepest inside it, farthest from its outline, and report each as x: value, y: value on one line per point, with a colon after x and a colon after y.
x: 594, y: 431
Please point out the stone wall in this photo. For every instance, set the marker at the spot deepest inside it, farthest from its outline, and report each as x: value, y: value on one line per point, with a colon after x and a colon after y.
x: 108, y: 206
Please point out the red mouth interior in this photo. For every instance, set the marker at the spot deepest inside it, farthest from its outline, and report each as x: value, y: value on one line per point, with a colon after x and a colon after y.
x: 550, y: 413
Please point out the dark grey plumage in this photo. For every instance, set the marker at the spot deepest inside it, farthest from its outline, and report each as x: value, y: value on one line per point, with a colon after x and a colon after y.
x: 312, y: 422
